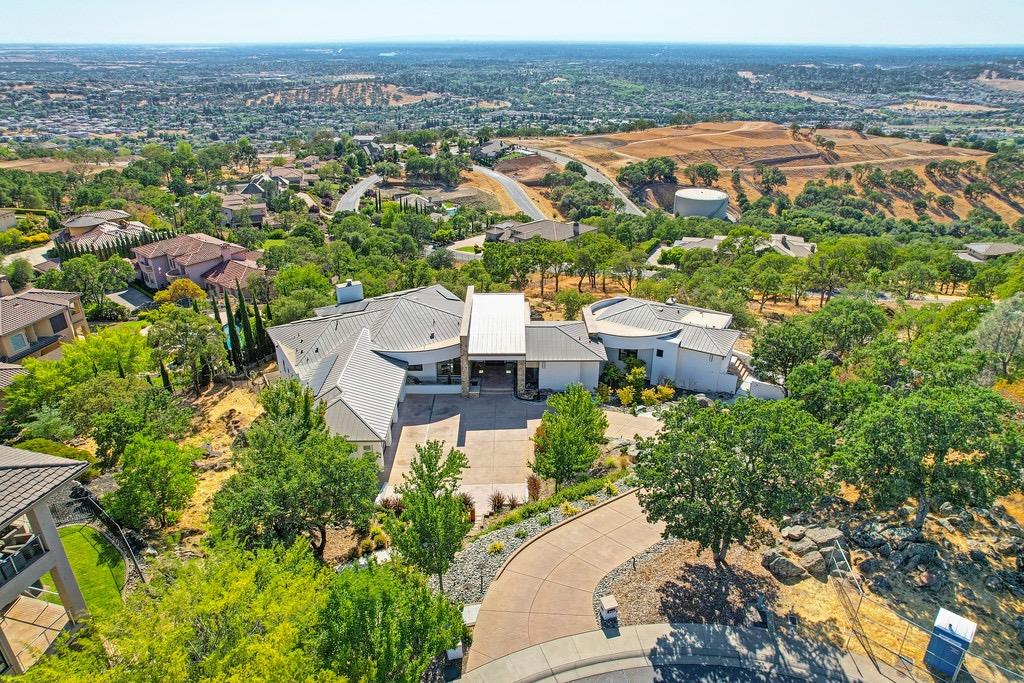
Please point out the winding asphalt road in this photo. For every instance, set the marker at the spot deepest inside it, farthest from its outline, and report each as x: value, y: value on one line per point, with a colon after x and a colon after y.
x: 594, y: 175
x: 350, y: 200
x: 515, y: 191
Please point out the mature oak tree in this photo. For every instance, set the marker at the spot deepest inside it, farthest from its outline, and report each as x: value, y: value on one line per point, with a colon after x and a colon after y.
x: 711, y: 473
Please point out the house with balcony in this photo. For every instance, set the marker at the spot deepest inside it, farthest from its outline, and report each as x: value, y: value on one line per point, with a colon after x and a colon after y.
x: 31, y: 617
x: 36, y: 321
x: 545, y: 229
x: 211, y: 263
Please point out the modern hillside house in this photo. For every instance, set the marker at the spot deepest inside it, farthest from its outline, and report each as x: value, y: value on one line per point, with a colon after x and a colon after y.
x: 207, y: 261
x: 979, y: 252
x: 32, y: 618
x: 363, y: 356
x: 35, y: 321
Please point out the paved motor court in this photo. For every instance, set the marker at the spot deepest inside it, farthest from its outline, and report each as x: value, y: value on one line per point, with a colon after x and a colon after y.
x: 493, y: 431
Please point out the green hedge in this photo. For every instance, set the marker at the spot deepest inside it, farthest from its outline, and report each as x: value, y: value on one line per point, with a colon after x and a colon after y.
x: 35, y: 212
x: 566, y: 495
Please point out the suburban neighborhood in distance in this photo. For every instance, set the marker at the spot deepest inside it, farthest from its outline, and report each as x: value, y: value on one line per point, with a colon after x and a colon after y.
x: 395, y: 344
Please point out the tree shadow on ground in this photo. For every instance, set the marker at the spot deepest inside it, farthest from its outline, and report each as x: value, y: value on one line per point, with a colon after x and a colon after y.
x: 702, y: 593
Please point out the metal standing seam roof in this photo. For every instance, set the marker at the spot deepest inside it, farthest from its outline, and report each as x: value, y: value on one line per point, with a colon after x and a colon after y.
x: 411, y: 320
x: 26, y: 477
x: 629, y: 316
x: 360, y: 389
x: 993, y: 248
x: 707, y: 340
x: 561, y: 341
x: 497, y: 325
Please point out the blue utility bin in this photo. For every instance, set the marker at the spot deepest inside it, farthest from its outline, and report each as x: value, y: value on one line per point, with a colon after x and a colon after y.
x: 951, y: 638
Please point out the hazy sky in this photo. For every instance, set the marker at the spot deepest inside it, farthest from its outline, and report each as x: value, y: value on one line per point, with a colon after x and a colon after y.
x: 901, y: 22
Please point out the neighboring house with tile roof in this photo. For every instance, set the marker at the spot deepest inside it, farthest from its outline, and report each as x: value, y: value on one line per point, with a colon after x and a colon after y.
x: 547, y: 229
x: 205, y: 260
x: 362, y: 356
x: 979, y: 252
x: 36, y: 321
x: 96, y: 230
x: 31, y: 549
x: 233, y: 207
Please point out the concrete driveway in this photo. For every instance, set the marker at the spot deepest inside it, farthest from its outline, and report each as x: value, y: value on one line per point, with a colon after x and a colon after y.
x: 493, y: 431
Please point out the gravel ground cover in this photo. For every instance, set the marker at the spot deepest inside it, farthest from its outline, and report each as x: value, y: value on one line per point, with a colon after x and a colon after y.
x: 474, y: 567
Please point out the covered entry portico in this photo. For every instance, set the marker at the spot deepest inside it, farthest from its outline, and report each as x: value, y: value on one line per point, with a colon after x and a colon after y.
x: 493, y: 341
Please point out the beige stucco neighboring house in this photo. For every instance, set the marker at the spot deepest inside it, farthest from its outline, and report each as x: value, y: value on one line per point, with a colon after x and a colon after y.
x: 36, y: 321
x: 205, y: 260
x: 8, y: 219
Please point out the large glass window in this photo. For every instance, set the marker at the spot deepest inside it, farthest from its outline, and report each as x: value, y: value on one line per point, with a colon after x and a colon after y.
x: 59, y: 323
x: 18, y: 341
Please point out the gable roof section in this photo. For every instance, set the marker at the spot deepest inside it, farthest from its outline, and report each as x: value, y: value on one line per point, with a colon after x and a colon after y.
x: 26, y: 477
x: 94, y: 218
x: 8, y: 371
x: 497, y: 325
x: 25, y: 308
x: 226, y: 273
x: 359, y: 387
x: 189, y: 249
x: 410, y: 320
x: 561, y: 341
x: 108, y: 233
x: 706, y: 340
x: 637, y: 317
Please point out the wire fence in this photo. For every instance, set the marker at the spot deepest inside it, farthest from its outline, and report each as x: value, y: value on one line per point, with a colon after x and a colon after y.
x: 894, y: 642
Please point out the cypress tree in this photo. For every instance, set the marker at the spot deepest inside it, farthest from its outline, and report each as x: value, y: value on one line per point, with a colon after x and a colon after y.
x: 165, y: 377
x: 243, y: 320
x: 262, y: 342
x: 234, y: 345
x: 120, y: 369
x: 266, y: 312
x: 215, y: 307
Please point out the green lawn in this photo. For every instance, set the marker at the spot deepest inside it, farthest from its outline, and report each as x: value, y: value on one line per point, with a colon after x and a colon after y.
x: 272, y: 243
x: 97, y: 564
x: 469, y: 249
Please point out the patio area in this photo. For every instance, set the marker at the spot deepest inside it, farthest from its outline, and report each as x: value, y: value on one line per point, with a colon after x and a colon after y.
x: 30, y: 626
x: 494, y: 431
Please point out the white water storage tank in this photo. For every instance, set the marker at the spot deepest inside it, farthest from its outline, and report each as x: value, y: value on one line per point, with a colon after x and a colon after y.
x: 701, y: 201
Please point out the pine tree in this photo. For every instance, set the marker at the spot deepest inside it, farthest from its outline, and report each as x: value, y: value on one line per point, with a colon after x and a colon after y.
x: 234, y: 345
x: 243, y: 320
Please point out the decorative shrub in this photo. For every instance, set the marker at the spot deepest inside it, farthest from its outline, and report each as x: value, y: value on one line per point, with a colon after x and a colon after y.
x: 665, y: 393
x: 366, y: 546
x: 512, y: 502
x: 568, y: 509
x: 626, y: 396
x: 495, y: 548
x: 392, y: 504
x: 611, y: 489
x: 521, y: 533
x: 612, y: 376
x: 604, y: 393
x: 590, y: 500
x: 649, y: 397
x: 497, y: 501
x: 533, y: 484
x: 544, y: 520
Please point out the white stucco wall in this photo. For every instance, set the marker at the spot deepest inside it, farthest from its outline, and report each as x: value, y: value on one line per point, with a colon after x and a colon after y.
x: 428, y: 359
x: 697, y: 371
x: 556, y: 376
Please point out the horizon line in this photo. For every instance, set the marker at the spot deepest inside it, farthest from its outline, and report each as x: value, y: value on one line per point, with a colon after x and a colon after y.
x: 502, y: 41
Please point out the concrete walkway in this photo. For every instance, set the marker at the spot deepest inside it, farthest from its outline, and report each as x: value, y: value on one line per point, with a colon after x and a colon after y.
x: 681, y: 652
x: 546, y: 589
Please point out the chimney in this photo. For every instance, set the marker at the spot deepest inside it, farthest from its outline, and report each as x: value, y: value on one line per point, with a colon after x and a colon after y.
x: 348, y: 293
x: 575, y: 228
